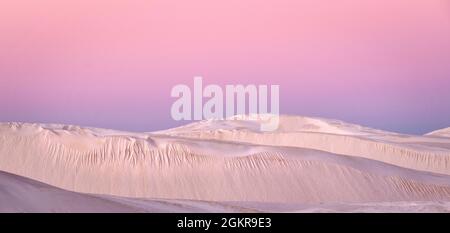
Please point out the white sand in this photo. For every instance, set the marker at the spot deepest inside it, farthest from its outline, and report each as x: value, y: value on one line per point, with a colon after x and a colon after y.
x: 20, y: 194
x: 308, y: 164
x: 440, y: 133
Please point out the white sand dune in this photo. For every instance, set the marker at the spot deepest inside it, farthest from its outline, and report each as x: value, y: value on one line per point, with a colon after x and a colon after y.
x: 440, y: 133
x: 308, y: 164
x: 20, y: 194
x: 416, y: 152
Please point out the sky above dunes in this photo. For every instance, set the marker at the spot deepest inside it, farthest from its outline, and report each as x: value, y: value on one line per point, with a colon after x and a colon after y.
x: 380, y: 63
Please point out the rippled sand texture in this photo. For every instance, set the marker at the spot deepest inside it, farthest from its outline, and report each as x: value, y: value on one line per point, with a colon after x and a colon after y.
x: 308, y: 164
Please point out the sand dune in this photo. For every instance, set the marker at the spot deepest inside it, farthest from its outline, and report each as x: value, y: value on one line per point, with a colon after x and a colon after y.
x: 440, y: 133
x: 416, y: 152
x: 308, y: 164
x: 20, y: 194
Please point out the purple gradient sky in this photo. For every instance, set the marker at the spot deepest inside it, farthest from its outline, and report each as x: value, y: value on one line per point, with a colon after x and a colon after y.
x: 112, y: 64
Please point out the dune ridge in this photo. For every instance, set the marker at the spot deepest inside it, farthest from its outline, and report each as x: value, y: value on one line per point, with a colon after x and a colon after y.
x: 440, y: 133
x: 415, y: 152
x: 305, y: 163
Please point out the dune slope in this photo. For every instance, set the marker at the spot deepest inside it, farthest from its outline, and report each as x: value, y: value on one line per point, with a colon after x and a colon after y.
x: 217, y: 161
x: 416, y: 152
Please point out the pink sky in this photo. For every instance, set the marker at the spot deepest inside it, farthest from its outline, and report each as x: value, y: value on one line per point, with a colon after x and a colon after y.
x: 383, y: 63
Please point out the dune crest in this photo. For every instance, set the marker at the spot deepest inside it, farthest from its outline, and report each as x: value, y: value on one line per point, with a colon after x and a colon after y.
x: 409, y: 151
x: 307, y: 161
x: 440, y: 133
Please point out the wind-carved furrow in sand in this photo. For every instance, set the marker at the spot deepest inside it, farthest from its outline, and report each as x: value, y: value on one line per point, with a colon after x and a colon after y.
x: 433, y: 160
x: 162, y: 167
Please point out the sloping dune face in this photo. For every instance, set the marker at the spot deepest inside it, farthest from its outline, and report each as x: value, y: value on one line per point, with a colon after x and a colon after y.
x: 420, y: 153
x: 20, y: 194
x: 307, y: 161
x: 440, y: 133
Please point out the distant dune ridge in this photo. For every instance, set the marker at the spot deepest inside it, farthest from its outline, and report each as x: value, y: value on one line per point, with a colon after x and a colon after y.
x: 440, y: 133
x: 308, y: 164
